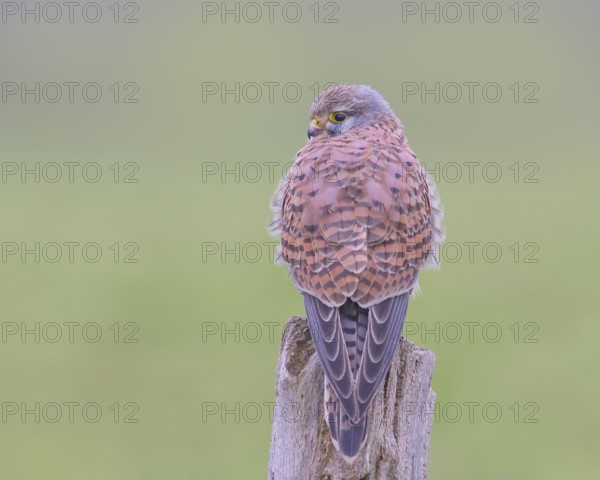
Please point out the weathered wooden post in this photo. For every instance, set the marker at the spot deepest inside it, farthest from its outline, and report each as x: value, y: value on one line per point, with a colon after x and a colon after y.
x: 399, y: 430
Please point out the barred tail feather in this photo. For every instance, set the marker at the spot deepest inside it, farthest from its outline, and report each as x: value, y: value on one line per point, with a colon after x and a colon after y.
x: 347, y: 437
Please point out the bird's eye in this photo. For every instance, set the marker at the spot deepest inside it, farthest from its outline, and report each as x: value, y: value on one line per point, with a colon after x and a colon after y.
x: 338, y: 117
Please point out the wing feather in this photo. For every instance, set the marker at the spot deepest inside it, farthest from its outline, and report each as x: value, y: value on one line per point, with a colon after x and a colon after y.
x: 383, y: 336
x: 326, y: 331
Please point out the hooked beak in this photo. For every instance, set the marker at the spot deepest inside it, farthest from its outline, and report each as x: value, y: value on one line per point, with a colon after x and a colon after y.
x: 315, y: 129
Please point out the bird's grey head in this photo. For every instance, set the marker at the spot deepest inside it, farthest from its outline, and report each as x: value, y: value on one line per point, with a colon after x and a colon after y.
x: 342, y: 107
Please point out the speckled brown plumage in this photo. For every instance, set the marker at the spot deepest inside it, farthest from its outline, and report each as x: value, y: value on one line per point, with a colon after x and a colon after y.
x: 356, y: 216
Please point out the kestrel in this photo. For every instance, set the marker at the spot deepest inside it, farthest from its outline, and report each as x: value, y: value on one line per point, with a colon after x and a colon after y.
x: 358, y: 217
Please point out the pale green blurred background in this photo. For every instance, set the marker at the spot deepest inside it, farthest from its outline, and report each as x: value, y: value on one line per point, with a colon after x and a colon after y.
x: 173, y: 294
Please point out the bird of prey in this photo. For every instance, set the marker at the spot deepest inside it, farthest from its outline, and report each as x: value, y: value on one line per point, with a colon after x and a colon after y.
x: 358, y: 218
